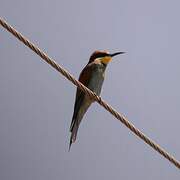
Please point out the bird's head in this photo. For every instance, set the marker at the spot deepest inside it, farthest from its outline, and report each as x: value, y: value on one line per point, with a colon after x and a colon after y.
x: 103, y: 56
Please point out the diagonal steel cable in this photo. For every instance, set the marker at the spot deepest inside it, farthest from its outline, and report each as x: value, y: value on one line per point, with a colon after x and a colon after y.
x: 91, y: 94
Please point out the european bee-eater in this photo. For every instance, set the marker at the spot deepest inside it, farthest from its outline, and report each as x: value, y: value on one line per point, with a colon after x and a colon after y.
x: 92, y: 76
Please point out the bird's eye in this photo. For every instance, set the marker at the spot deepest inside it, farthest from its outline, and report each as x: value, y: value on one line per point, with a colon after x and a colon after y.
x: 103, y: 55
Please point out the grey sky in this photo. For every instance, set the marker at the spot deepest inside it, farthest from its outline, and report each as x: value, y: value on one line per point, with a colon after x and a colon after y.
x: 37, y: 103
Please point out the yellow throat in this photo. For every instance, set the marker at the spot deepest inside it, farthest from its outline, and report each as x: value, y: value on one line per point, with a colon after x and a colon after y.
x: 106, y: 59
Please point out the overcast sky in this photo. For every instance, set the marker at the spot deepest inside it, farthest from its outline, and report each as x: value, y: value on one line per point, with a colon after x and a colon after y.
x: 36, y: 102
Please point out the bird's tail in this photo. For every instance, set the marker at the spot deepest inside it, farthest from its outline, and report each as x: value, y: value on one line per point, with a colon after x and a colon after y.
x: 77, y: 117
x: 73, y: 130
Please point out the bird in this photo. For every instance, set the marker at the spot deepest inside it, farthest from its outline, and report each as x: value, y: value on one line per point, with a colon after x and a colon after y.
x: 92, y: 76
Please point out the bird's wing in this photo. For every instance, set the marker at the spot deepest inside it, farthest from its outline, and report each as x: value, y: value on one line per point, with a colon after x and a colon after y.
x: 84, y: 78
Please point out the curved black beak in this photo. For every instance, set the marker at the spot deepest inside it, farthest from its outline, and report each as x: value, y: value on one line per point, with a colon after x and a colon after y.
x: 114, y: 54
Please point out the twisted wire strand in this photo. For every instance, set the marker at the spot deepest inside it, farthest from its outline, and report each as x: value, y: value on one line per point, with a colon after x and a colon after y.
x: 91, y: 94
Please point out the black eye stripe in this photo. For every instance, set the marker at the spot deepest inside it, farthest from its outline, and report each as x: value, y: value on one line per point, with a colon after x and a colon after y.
x: 100, y: 55
x: 97, y: 55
